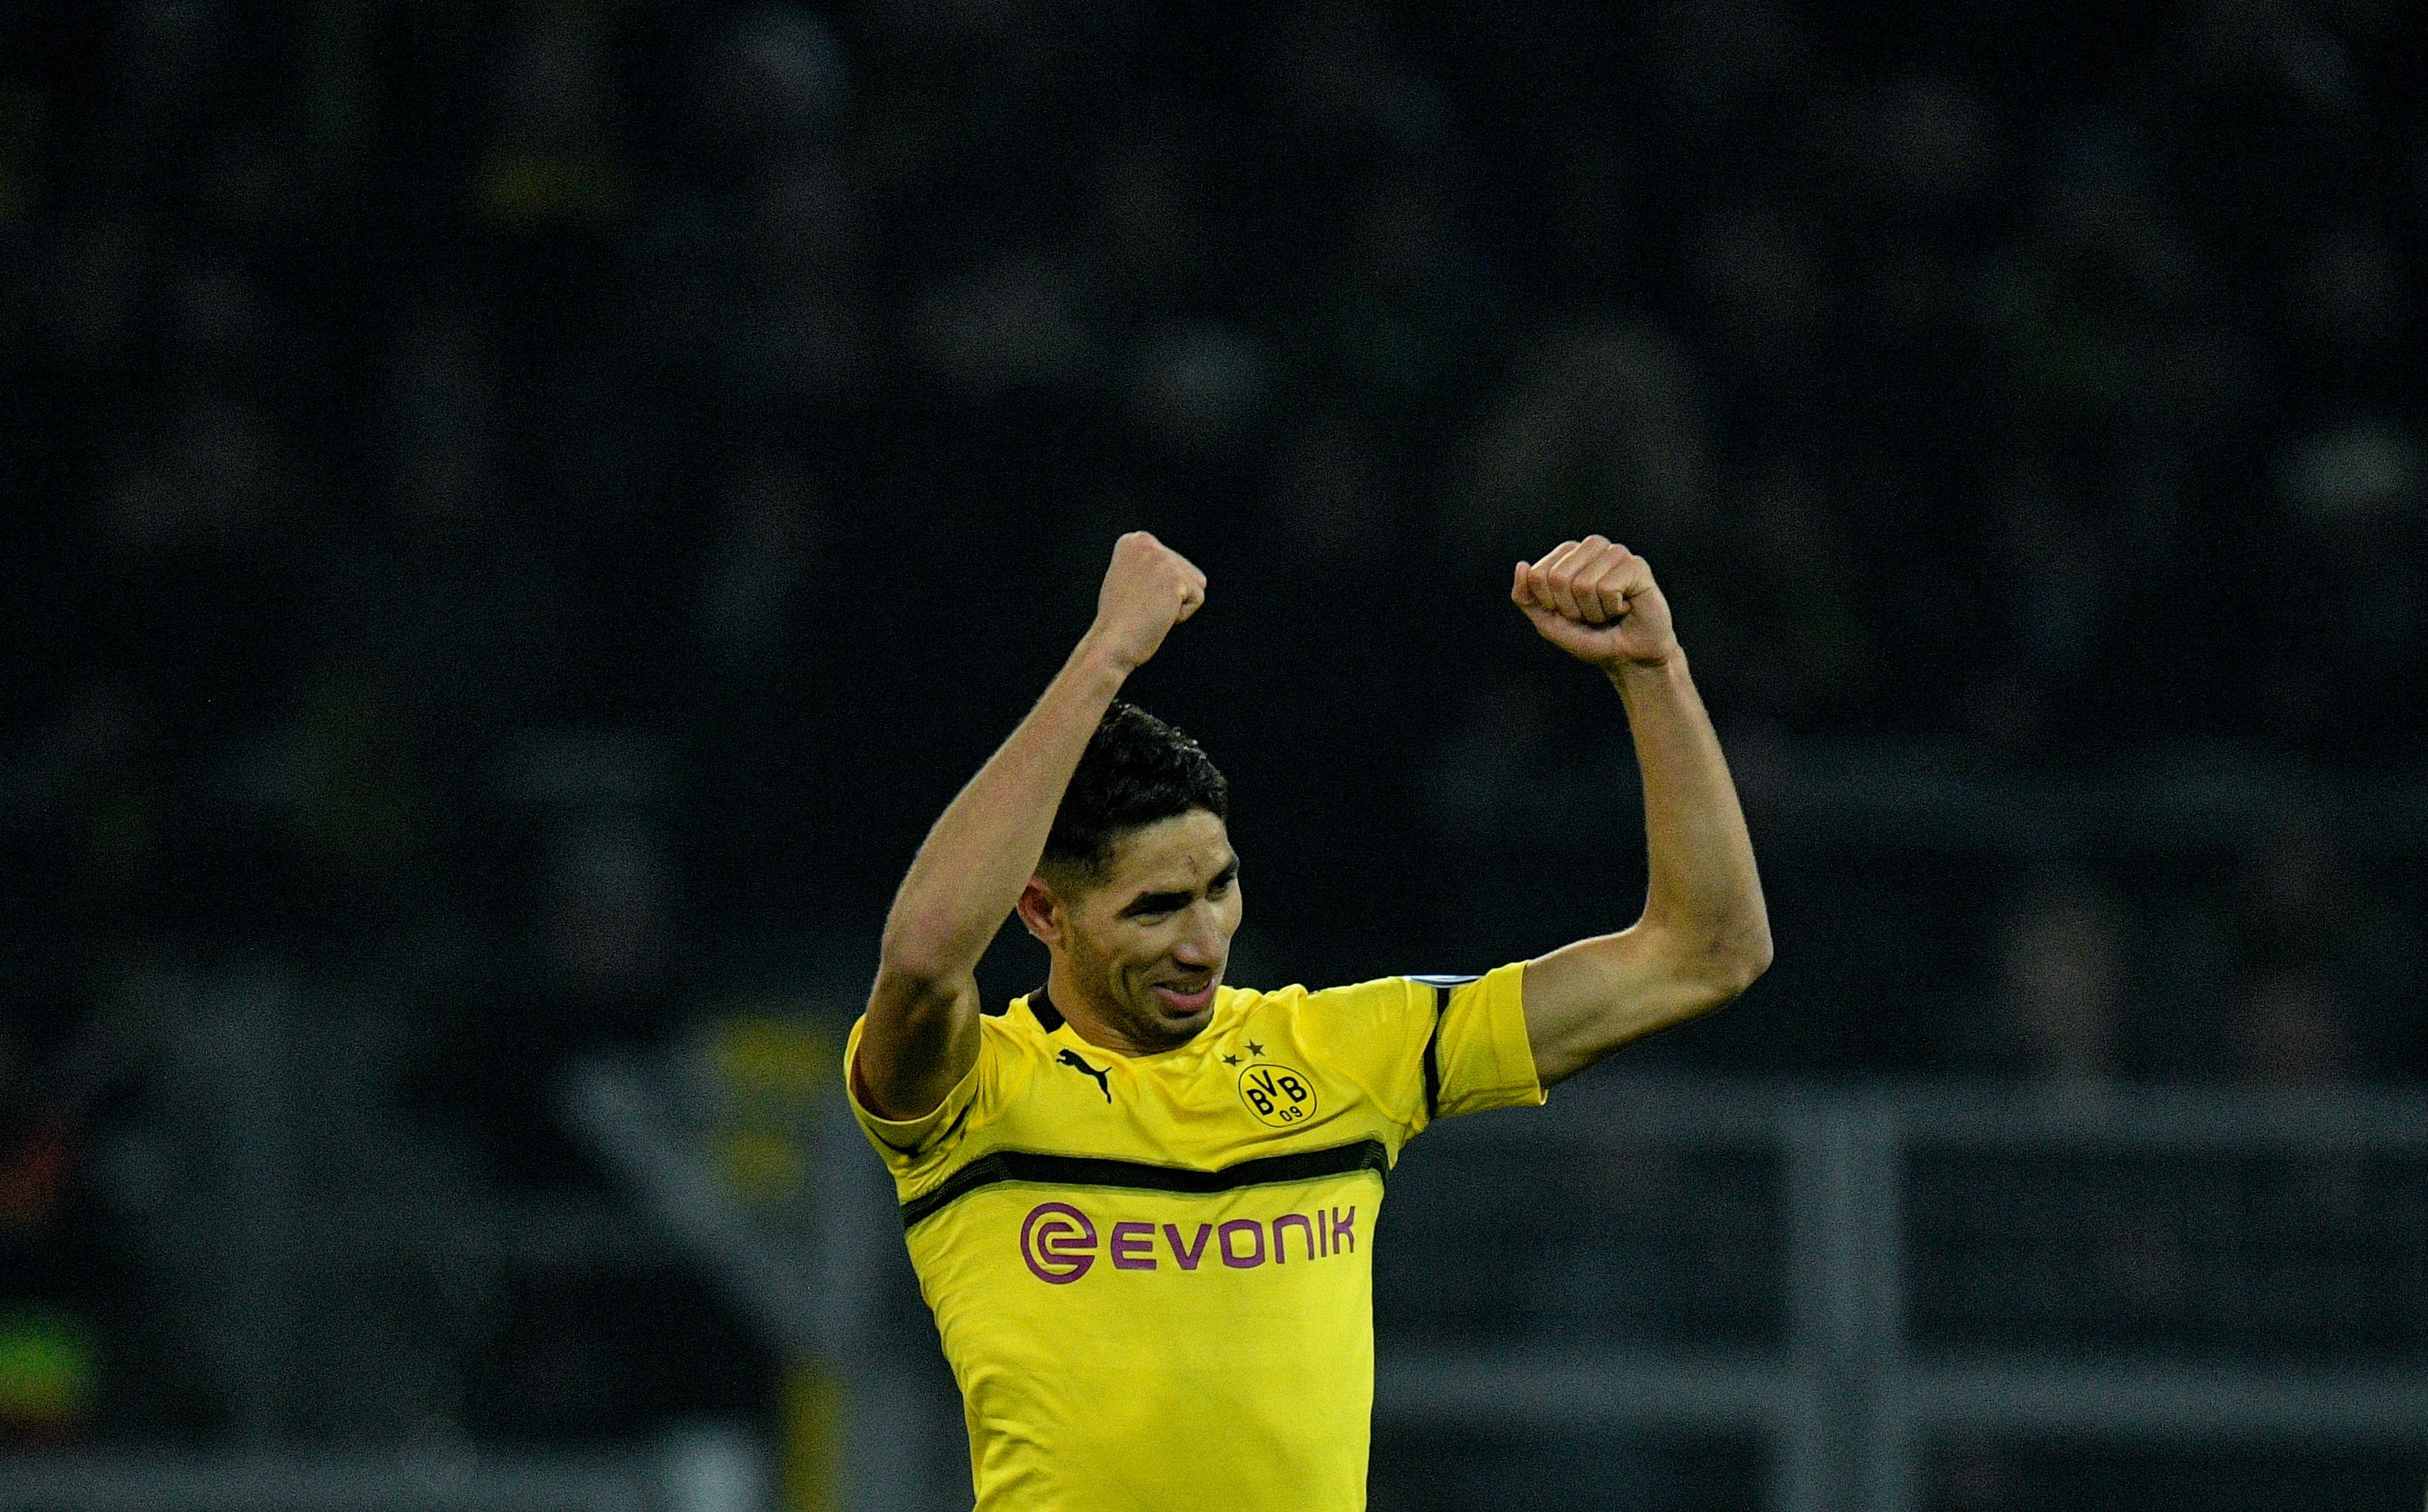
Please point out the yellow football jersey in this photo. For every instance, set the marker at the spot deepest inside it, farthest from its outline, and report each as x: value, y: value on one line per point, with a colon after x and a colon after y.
x: 1153, y: 1274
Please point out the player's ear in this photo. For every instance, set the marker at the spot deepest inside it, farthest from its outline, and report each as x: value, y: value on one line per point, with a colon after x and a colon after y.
x: 1041, y: 912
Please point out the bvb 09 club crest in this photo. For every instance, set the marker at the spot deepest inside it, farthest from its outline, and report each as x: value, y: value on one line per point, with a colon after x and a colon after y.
x: 1278, y: 1096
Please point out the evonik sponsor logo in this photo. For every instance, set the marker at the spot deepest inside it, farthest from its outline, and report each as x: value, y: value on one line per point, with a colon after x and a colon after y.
x: 1060, y: 1243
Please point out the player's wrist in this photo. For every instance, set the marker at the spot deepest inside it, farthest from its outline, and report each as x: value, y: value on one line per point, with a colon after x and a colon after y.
x: 1630, y: 672
x: 1101, y: 654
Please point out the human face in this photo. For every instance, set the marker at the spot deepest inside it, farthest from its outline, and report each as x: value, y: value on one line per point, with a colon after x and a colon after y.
x: 1141, y: 950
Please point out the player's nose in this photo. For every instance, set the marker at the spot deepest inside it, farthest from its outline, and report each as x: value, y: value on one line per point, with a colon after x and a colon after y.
x: 1200, y: 946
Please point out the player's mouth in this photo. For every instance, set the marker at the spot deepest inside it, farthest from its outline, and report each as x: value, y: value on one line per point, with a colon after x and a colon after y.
x: 1185, y: 999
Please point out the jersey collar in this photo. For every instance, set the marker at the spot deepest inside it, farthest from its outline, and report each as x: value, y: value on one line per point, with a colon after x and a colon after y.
x: 1049, y: 1018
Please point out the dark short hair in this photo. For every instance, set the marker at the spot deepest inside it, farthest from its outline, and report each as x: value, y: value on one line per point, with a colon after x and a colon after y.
x: 1137, y: 770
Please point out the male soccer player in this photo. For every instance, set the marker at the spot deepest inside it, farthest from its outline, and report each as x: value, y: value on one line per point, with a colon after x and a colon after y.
x: 1141, y: 1202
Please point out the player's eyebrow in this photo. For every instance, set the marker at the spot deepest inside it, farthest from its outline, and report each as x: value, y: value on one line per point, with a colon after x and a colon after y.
x: 1155, y: 903
x: 1170, y: 901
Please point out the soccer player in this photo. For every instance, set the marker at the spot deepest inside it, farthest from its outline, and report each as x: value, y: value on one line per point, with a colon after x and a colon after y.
x: 1140, y: 1200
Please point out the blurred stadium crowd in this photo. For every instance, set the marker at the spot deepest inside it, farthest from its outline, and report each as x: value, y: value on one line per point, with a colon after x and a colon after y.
x: 537, y: 505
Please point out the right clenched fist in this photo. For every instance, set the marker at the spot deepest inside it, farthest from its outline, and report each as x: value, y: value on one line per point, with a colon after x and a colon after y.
x: 1148, y: 589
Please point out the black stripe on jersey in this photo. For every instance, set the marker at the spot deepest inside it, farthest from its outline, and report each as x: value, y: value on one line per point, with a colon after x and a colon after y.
x: 1049, y: 1018
x: 1433, y: 1052
x: 1137, y: 1175
x: 1441, y: 986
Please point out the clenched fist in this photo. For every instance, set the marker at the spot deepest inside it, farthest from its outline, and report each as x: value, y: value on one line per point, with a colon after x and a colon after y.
x: 1148, y: 589
x: 1597, y: 601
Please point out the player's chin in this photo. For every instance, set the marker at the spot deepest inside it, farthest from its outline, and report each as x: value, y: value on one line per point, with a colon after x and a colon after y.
x: 1184, y: 1010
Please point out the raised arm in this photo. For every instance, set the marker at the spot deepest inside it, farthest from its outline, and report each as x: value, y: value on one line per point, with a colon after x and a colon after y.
x: 1704, y: 935
x: 922, y: 1013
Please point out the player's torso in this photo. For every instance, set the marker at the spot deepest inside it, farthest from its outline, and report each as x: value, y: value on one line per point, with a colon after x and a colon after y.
x: 1153, y: 1272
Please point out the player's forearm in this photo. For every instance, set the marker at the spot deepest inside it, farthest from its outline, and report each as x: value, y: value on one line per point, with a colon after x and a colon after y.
x: 1704, y: 890
x: 982, y: 851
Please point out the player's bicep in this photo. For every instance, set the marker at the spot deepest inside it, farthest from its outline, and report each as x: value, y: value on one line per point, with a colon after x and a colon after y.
x: 1586, y: 999
x: 920, y: 1040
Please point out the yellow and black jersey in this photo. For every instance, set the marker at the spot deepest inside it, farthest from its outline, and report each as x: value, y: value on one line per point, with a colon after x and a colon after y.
x: 1153, y: 1274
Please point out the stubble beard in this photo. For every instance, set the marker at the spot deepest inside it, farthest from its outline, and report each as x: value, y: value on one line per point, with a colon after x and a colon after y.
x: 1143, y: 1025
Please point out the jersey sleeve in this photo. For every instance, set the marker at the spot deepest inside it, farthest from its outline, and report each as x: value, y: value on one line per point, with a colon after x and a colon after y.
x: 1428, y: 1048
x: 916, y: 1145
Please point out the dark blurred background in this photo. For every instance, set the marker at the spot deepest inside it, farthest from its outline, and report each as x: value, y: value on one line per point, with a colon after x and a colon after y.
x: 517, y: 516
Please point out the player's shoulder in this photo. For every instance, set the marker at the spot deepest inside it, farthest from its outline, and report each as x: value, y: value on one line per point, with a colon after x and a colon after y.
x: 1345, y: 1001
x: 1010, y: 1032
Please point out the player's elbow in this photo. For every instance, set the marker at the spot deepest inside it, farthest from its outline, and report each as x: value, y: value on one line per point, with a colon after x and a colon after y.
x: 1750, y: 955
x: 1728, y: 960
x: 1716, y: 953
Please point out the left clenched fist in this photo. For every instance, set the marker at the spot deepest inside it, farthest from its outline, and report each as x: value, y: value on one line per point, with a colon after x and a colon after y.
x: 1597, y: 601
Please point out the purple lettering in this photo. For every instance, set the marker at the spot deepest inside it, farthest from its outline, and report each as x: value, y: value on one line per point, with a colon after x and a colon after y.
x: 1255, y: 1232
x: 1056, y: 1241
x: 1281, y: 1250
x: 1187, y: 1255
x: 1344, y: 1233
x: 1133, y: 1247
x: 1321, y: 1245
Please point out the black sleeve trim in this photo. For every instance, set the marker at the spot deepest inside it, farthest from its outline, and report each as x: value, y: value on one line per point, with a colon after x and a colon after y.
x: 1433, y: 1052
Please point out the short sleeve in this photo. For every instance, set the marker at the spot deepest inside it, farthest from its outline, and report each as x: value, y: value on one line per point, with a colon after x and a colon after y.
x: 912, y: 1144
x: 1424, y: 1047
x: 1479, y: 1056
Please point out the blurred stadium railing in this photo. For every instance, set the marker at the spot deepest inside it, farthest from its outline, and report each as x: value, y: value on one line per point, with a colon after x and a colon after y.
x: 1859, y: 1301
x: 1811, y: 1301
x: 361, y: 1482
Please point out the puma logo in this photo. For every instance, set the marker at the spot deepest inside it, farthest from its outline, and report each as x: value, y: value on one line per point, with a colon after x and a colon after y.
x: 1071, y: 1058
